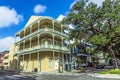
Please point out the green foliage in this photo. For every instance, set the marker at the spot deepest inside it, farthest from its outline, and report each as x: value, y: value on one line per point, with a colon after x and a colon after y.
x: 82, y: 69
x: 79, y: 60
x: 99, y: 39
x: 113, y: 71
x: 99, y: 25
x: 117, y: 30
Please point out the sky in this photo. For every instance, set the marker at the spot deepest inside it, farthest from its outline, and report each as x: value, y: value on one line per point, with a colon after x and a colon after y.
x: 14, y: 14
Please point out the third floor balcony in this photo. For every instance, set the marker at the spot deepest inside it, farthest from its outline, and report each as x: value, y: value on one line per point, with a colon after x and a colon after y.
x: 40, y: 26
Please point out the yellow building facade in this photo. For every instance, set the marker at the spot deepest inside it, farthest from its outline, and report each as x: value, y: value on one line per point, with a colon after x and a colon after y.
x: 5, y: 59
x: 9, y: 60
x: 13, y: 60
x: 41, y: 45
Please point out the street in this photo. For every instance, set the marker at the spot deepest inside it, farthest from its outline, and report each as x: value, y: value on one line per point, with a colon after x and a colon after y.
x: 45, y: 76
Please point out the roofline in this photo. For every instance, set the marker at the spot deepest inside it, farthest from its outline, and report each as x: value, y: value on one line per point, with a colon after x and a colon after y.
x: 45, y: 17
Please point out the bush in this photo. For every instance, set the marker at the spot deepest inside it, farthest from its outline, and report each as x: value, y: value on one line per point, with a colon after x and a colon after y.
x: 112, y: 71
x: 81, y: 69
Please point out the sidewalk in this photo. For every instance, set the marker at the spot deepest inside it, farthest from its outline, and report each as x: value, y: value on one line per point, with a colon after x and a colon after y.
x: 113, y: 76
x: 75, y: 73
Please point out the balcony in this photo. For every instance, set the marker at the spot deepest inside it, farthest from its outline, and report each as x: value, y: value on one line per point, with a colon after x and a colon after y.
x: 43, y: 47
x: 48, y: 30
x: 5, y: 61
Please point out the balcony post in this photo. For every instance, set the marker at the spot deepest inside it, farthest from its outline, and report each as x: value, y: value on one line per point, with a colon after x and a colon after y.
x: 53, y: 53
x: 38, y: 60
x: 53, y: 41
x: 24, y: 33
x: 23, y: 45
x: 18, y: 61
x: 30, y: 62
x: 38, y: 25
x: 30, y: 42
x: 53, y: 25
x: 62, y: 41
x: 63, y: 61
x: 30, y: 29
x: 61, y: 28
x: 23, y: 63
x: 38, y: 40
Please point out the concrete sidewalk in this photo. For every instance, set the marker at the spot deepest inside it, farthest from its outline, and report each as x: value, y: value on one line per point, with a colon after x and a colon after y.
x: 65, y: 73
x: 113, y: 76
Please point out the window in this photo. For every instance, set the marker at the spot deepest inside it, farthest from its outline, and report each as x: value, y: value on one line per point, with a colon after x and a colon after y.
x: 50, y: 62
x: 43, y: 42
x: 49, y: 41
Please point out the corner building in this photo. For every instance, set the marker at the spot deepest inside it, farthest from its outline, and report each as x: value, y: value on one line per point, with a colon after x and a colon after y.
x: 41, y: 46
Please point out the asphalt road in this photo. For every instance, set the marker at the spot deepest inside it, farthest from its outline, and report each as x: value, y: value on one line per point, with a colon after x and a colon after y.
x: 68, y: 77
x: 51, y: 77
x: 10, y: 75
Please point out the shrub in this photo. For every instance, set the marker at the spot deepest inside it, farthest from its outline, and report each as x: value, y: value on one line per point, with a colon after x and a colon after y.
x: 113, y: 71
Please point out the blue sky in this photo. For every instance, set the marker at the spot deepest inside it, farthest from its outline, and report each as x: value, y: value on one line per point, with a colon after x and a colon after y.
x: 14, y: 14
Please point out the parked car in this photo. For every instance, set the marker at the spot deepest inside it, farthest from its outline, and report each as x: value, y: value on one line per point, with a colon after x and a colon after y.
x: 100, y: 66
x: 108, y: 67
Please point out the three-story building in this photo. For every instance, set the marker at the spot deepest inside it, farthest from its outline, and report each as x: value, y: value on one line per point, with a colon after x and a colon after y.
x: 41, y: 46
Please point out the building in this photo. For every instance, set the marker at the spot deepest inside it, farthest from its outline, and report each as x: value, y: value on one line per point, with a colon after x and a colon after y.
x: 81, y: 55
x: 13, y: 60
x: 1, y: 60
x: 41, y: 45
x: 8, y: 60
x: 5, y: 59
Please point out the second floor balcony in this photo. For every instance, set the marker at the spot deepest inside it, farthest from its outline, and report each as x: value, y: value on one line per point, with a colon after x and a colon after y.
x: 43, y: 42
x: 43, y: 48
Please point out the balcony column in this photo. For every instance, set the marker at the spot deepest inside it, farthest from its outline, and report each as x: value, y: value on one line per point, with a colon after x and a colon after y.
x: 38, y: 25
x: 67, y: 62
x: 38, y: 40
x: 24, y: 33
x: 62, y: 41
x: 61, y: 28
x: 30, y: 62
x: 30, y: 42
x: 23, y: 45
x: 30, y: 29
x: 53, y: 25
x: 18, y: 62
x: 63, y: 66
x: 14, y: 48
x: 53, y: 41
x: 53, y: 54
x: 18, y: 47
x: 38, y: 60
x: 23, y: 63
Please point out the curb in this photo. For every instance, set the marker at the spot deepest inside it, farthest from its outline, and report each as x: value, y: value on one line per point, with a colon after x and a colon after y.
x: 112, y: 76
x: 69, y: 74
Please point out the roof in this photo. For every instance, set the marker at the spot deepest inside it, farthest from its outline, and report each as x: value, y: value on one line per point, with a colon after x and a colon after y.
x: 82, y: 55
x: 32, y: 19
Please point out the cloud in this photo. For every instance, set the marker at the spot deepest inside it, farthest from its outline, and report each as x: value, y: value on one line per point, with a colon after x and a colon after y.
x: 39, y: 9
x: 6, y: 42
x: 9, y: 16
x: 98, y: 2
x: 71, y: 26
x: 60, y: 17
x: 73, y: 3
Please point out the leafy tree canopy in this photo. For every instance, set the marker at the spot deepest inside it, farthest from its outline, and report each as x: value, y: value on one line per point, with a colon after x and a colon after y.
x: 99, y: 25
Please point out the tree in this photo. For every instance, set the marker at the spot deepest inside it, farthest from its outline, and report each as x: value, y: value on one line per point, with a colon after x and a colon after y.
x: 98, y: 25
